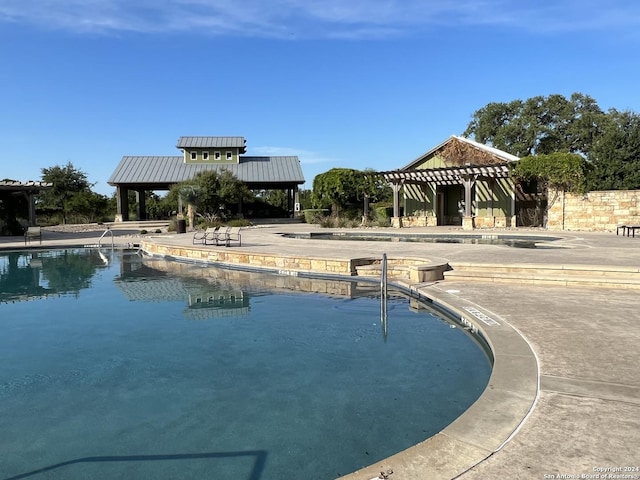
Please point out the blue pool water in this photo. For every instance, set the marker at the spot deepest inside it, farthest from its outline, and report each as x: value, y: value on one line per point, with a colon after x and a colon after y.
x: 117, y: 367
x: 509, y: 240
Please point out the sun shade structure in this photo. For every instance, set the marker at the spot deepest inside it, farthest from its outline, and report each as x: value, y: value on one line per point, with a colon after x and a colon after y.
x: 448, y: 176
x: 201, y: 154
x: 29, y: 189
x: 458, y: 182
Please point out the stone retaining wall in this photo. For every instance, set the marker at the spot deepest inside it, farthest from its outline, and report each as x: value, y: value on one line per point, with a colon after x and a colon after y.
x: 257, y: 260
x: 595, y: 211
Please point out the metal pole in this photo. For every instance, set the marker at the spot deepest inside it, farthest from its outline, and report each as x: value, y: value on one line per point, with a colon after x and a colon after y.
x: 384, y: 310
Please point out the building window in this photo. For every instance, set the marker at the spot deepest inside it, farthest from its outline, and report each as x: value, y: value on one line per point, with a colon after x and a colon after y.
x: 229, y: 155
x: 216, y: 156
x: 194, y: 155
x: 205, y: 156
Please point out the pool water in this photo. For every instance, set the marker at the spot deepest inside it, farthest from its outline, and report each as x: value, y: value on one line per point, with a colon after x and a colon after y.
x: 516, y: 241
x: 115, y: 367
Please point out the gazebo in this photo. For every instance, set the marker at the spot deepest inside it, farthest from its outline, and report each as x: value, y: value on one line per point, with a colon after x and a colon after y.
x: 200, y: 154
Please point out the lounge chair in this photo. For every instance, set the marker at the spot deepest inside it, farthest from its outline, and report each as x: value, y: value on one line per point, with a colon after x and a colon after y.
x: 232, y: 234
x: 221, y: 235
x: 31, y: 233
x: 207, y: 235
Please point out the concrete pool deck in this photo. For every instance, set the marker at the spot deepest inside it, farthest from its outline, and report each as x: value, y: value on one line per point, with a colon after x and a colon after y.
x: 564, y: 398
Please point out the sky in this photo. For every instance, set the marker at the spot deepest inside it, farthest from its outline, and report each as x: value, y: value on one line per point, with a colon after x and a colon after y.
x: 357, y: 84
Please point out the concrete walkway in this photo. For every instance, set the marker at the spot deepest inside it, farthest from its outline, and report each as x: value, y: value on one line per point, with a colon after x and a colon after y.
x: 576, y: 413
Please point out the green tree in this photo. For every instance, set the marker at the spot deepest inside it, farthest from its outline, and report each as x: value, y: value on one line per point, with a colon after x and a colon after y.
x: 87, y: 206
x: 212, y: 193
x: 67, y: 183
x: 539, y: 125
x: 346, y: 188
x: 192, y: 194
x: 556, y: 172
x: 306, y: 198
x: 276, y: 198
x: 615, y: 155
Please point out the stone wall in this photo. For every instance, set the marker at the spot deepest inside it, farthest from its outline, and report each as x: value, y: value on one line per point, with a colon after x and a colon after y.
x: 418, y: 221
x: 595, y: 211
x: 285, y: 265
x: 494, y: 222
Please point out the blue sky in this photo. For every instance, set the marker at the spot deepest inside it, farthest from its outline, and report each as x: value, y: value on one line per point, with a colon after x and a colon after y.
x: 359, y: 84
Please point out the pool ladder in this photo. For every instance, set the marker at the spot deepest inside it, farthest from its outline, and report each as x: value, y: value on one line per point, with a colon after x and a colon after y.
x: 102, y: 236
x: 384, y: 309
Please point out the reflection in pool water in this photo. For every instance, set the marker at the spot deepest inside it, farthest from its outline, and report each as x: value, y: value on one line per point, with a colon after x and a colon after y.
x: 152, y: 369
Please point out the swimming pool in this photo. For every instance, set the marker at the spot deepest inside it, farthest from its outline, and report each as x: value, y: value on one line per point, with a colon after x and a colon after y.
x: 114, y: 366
x: 517, y: 241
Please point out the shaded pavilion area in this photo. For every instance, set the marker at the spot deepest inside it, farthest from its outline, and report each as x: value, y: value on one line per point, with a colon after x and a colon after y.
x: 201, y: 154
x: 10, y: 189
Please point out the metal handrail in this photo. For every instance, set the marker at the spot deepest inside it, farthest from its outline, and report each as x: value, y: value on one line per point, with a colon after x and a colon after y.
x: 102, y: 236
x: 384, y: 309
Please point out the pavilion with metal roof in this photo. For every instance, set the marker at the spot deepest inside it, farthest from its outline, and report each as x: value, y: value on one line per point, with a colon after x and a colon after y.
x: 201, y: 154
x: 458, y: 182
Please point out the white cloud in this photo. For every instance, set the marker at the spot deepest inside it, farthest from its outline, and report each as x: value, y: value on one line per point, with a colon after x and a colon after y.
x: 316, y: 18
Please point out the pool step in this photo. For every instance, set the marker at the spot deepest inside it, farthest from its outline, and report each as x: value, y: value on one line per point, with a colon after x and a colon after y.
x: 535, y: 274
x: 138, y: 225
x: 414, y: 271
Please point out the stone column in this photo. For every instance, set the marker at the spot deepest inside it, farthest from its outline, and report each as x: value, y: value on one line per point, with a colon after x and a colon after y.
x: 142, y: 205
x: 122, y: 202
x: 396, y: 221
x: 467, y: 220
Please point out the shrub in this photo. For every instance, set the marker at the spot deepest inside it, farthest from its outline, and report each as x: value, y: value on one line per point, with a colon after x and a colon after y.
x: 314, y: 215
x: 143, y: 232
x: 325, y: 222
x: 383, y: 212
x: 339, y: 222
x: 158, y: 230
x: 239, y: 222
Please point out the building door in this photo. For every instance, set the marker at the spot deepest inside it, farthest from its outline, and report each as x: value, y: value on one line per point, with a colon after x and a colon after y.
x: 448, y: 199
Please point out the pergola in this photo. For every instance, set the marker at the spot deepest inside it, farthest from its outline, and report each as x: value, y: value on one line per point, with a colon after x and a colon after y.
x: 29, y: 189
x: 465, y: 176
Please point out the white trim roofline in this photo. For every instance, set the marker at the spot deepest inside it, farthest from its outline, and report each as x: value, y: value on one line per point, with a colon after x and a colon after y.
x: 507, y: 157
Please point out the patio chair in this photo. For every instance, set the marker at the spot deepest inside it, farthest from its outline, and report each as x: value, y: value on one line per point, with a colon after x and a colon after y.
x: 221, y: 235
x: 231, y: 235
x: 203, y: 236
x: 31, y: 233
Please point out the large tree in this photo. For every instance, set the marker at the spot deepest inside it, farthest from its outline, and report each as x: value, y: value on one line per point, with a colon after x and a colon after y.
x: 615, y: 155
x: 556, y: 172
x: 212, y: 194
x: 71, y: 194
x: 345, y: 188
x: 539, y: 125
